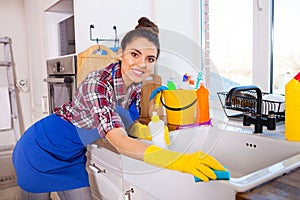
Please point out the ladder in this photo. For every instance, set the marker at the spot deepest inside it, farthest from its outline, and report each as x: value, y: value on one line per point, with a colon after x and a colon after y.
x: 7, y: 174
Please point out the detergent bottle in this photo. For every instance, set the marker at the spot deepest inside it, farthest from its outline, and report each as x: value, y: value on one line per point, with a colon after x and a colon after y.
x: 203, y: 104
x: 157, y: 130
x: 292, y: 109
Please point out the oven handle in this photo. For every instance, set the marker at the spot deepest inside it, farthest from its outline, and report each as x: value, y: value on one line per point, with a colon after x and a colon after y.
x: 59, y: 80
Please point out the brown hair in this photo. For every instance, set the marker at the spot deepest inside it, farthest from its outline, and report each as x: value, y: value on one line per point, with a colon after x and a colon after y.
x: 145, y: 29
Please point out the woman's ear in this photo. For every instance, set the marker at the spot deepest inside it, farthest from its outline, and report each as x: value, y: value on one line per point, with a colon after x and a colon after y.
x: 120, y: 54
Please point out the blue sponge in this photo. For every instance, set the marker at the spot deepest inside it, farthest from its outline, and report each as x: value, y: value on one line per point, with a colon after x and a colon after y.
x: 221, y: 175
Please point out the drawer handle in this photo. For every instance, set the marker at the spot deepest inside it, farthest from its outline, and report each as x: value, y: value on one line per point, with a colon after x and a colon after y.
x: 94, y: 168
x: 128, y: 193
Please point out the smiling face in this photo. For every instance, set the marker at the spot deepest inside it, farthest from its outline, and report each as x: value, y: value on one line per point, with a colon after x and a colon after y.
x: 138, y: 59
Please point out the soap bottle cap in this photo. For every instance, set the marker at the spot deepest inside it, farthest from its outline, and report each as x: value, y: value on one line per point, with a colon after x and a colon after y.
x: 297, y: 77
x: 202, y: 83
x: 155, y: 117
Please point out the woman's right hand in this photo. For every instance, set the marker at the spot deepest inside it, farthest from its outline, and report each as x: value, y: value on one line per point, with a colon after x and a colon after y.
x: 199, y: 164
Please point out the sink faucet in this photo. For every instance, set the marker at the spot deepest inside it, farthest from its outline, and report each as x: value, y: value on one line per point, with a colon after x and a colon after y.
x: 248, y: 118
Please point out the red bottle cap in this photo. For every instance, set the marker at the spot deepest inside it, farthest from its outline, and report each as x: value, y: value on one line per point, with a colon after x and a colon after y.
x: 297, y: 77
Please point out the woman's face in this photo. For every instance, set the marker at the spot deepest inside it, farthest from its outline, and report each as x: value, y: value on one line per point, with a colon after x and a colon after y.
x: 138, y: 60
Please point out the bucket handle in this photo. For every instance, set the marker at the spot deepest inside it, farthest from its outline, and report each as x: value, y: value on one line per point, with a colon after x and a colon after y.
x: 176, y: 109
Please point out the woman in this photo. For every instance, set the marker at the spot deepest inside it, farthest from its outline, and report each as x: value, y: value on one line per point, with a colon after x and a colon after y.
x: 50, y: 156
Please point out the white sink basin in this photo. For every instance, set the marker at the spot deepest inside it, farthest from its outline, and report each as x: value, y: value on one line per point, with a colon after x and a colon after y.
x: 251, y: 159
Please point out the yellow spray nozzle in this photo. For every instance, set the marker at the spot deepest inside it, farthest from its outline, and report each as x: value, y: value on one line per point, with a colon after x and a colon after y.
x: 157, y: 100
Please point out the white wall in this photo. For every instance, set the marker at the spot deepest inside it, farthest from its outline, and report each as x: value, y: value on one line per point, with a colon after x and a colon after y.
x: 104, y: 14
x: 180, y: 38
x: 181, y: 16
x: 13, y: 25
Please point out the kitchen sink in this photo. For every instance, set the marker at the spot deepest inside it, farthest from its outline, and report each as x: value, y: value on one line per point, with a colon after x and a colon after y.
x: 251, y: 159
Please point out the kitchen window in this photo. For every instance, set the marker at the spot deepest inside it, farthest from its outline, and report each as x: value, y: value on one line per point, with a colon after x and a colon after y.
x: 229, y: 32
x: 286, y: 48
x: 252, y: 41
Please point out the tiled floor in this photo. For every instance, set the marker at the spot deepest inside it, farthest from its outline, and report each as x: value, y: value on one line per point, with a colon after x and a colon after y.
x: 8, y: 186
x: 13, y: 193
x: 10, y: 193
x: 9, y: 190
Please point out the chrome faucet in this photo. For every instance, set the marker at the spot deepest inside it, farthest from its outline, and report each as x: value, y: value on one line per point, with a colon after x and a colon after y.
x: 248, y: 118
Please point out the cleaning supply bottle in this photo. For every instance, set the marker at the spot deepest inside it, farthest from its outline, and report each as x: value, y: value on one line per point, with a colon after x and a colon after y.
x: 157, y: 130
x: 292, y: 109
x: 203, y: 104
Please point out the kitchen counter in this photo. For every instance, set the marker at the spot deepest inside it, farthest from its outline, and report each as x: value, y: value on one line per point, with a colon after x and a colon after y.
x: 106, y: 144
x: 286, y: 187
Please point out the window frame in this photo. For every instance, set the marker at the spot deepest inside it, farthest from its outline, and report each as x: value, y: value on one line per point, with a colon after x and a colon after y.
x: 262, y: 60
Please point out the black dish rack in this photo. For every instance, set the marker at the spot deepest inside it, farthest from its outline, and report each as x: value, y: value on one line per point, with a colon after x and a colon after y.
x: 245, y: 102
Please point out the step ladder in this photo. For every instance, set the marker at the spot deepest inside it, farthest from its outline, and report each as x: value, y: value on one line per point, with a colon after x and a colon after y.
x: 8, y: 137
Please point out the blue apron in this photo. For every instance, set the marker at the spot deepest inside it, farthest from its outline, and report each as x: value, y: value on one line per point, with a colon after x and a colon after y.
x: 88, y: 136
x: 50, y: 156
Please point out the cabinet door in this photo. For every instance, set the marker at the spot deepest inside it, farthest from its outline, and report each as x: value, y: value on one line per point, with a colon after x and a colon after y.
x: 132, y: 192
x: 102, y: 186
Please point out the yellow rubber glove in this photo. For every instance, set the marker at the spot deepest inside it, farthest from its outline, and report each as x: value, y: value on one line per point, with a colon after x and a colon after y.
x: 198, y: 163
x: 167, y: 136
x: 142, y: 131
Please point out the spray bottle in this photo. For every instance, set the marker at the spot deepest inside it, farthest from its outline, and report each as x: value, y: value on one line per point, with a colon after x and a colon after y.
x: 292, y: 109
x: 157, y: 130
x: 203, y: 104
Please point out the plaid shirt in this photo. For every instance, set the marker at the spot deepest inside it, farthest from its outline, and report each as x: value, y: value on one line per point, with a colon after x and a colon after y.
x: 94, y: 103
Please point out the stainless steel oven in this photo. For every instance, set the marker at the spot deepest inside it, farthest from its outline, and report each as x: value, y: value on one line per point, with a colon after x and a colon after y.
x: 61, y: 80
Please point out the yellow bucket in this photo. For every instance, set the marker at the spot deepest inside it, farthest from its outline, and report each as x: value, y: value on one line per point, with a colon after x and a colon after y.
x: 180, y: 106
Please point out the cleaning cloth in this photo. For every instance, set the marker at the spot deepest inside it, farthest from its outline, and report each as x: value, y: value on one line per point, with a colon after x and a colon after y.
x: 221, y: 175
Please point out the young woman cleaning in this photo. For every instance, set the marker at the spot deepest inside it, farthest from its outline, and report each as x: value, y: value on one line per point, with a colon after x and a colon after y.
x: 50, y: 156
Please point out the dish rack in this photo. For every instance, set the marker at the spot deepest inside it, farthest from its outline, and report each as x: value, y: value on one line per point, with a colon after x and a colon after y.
x: 246, y: 102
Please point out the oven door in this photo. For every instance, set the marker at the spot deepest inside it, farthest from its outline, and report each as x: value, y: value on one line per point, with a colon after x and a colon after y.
x: 60, y: 90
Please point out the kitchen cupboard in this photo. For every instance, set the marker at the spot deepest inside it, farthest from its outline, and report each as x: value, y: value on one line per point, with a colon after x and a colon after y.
x: 48, y: 3
x: 106, y: 175
x: 37, y: 53
x: 135, y: 193
x: 64, y: 6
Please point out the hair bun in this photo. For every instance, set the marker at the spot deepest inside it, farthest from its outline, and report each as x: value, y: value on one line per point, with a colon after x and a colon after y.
x: 144, y: 22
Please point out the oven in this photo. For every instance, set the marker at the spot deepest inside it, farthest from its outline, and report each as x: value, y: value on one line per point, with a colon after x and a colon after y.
x: 61, y: 80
